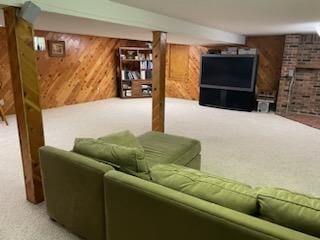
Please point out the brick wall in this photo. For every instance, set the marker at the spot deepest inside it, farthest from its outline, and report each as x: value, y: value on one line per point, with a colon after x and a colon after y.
x: 301, y: 54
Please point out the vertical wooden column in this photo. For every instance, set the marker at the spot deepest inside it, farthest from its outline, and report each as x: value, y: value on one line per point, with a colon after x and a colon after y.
x: 158, y: 80
x: 27, y: 101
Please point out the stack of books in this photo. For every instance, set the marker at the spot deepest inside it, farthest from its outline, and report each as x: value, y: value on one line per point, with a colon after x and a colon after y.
x: 130, y: 75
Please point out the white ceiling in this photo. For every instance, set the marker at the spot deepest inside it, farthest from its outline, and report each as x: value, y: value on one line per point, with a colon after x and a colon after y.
x: 248, y: 17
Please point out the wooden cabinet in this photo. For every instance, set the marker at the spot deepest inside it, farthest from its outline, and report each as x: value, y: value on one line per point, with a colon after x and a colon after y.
x: 178, y: 62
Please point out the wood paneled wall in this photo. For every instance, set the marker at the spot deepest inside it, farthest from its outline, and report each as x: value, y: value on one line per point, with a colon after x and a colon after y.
x: 270, y: 60
x: 183, y: 71
x: 5, y: 76
x: 88, y: 71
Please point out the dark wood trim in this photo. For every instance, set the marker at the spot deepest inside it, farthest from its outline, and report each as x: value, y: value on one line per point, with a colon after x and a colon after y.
x: 158, y: 81
x: 26, y: 97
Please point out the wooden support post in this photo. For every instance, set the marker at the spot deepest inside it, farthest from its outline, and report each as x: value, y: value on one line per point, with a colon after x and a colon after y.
x: 27, y: 101
x: 158, y: 80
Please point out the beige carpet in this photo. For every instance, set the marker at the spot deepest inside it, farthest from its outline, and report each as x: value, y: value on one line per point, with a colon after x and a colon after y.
x: 259, y: 149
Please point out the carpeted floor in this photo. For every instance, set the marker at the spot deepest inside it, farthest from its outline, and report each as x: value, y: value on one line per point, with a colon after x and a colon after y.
x: 259, y: 149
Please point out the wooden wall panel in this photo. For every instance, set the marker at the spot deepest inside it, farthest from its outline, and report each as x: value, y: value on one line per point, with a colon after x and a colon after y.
x: 5, y: 76
x: 179, y: 59
x: 86, y: 73
x: 270, y: 60
x: 187, y: 88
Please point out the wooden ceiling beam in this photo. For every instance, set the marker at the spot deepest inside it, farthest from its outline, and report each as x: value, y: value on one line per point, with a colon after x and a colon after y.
x: 27, y: 99
x: 159, y: 80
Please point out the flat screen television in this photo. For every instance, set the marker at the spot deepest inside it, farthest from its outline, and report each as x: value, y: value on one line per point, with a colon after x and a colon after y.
x: 229, y: 72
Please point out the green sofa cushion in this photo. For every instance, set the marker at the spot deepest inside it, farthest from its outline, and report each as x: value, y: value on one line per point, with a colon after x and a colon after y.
x: 128, y: 159
x: 123, y: 138
x: 296, y: 211
x: 224, y: 192
x: 166, y: 148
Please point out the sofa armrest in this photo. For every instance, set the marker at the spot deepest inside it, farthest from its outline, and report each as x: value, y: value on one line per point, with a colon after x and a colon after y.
x: 73, y: 188
x: 150, y: 211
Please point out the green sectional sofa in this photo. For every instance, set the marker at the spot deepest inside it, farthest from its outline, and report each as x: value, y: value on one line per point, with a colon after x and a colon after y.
x: 142, y: 210
x: 169, y: 200
x: 73, y: 183
x: 73, y: 188
x: 165, y: 148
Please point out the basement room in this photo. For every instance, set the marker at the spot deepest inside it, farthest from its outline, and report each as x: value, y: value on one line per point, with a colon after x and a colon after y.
x: 159, y: 120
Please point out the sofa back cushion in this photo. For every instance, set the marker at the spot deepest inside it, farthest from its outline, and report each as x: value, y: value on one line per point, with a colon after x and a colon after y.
x: 123, y: 138
x: 119, y: 150
x: 218, y: 190
x: 293, y: 210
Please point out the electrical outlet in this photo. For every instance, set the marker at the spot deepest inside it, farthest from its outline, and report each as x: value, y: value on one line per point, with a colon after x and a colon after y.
x: 1, y: 102
x: 291, y: 73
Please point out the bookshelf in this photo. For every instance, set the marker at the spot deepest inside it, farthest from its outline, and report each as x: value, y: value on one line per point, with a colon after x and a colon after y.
x: 135, y: 72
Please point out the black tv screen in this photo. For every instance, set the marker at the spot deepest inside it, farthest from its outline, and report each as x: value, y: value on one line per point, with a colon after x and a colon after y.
x: 228, y: 72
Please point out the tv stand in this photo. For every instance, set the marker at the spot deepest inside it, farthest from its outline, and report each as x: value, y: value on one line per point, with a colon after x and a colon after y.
x: 229, y: 99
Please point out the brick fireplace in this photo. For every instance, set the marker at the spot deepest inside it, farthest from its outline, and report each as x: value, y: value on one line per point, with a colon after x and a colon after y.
x: 301, y: 56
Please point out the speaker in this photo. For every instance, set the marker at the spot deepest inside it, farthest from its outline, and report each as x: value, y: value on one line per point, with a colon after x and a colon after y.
x: 263, y: 106
x: 29, y: 12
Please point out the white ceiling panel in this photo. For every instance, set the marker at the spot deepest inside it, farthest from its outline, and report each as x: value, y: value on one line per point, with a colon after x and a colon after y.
x: 248, y: 17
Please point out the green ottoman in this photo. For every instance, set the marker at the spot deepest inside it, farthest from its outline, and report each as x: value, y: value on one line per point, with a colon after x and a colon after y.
x: 165, y: 148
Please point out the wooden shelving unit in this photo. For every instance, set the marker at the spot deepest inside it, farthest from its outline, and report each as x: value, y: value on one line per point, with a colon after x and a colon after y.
x: 134, y: 72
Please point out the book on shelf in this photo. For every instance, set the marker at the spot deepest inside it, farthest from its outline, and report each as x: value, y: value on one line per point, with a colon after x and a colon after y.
x: 146, y: 86
x: 149, y: 56
x: 149, y: 74
x: 143, y: 74
x: 146, y: 65
x: 136, y: 75
x: 143, y: 65
x: 127, y: 93
x: 123, y: 74
x: 130, y: 75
